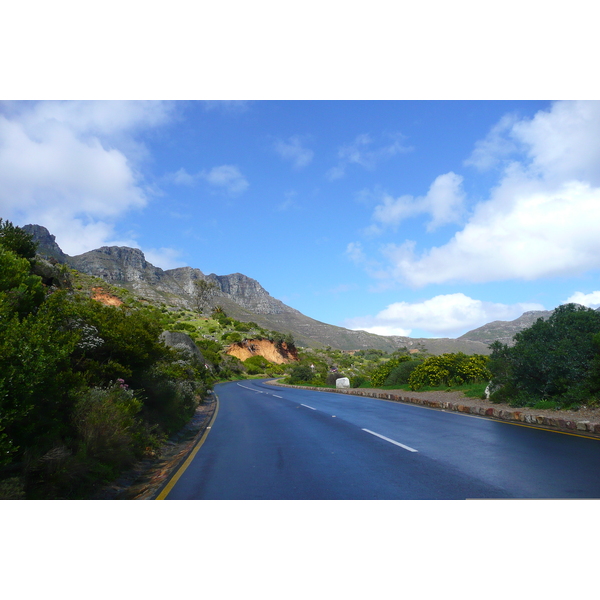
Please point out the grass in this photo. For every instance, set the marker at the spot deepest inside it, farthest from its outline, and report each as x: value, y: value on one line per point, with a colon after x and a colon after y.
x: 471, y: 390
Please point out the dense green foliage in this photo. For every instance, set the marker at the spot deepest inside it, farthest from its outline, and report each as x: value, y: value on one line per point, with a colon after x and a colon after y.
x: 382, y: 372
x: 16, y: 240
x: 450, y: 370
x: 556, y: 360
x: 257, y: 365
x: 301, y: 374
x: 400, y: 374
x: 85, y: 389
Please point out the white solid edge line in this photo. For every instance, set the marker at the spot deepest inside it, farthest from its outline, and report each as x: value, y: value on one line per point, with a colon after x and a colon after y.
x: 307, y: 406
x: 391, y: 441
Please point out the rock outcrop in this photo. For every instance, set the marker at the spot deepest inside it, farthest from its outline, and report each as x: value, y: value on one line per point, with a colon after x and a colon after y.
x: 52, y: 273
x: 182, y: 341
x: 47, y: 245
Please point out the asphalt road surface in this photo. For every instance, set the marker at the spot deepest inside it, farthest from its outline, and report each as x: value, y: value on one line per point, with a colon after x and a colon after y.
x: 280, y: 443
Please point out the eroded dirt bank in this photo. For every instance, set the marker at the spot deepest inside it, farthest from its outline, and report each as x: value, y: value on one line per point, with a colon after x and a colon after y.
x: 249, y: 348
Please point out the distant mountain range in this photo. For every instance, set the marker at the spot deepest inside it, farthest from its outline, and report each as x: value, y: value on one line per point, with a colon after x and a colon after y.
x: 246, y: 300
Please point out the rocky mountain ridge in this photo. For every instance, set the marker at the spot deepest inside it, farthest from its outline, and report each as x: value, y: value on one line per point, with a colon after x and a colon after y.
x: 245, y: 299
x: 241, y: 297
x: 504, y: 331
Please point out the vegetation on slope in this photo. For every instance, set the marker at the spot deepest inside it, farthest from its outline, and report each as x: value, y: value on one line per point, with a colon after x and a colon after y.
x: 87, y: 386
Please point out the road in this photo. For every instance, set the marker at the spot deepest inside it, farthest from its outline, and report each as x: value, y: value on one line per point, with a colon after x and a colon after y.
x: 282, y: 443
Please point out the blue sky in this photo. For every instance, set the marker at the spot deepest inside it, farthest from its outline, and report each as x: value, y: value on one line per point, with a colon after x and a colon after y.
x: 421, y: 218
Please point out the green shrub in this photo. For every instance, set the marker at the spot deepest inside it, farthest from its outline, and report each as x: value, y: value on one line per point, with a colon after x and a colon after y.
x: 399, y: 375
x: 232, y: 338
x: 332, y: 378
x: 257, y: 364
x: 301, y: 374
x: 450, y: 370
x: 382, y: 372
x: 358, y: 380
x: 184, y: 327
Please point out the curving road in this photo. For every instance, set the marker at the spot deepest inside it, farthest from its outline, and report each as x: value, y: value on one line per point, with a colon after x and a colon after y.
x: 282, y: 443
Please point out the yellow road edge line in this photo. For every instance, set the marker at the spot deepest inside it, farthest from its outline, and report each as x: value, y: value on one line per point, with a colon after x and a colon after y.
x: 587, y: 437
x: 190, y: 458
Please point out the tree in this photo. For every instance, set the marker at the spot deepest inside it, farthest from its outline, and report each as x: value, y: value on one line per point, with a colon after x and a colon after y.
x: 17, y: 240
x: 553, y: 359
x: 203, y: 293
x: 19, y: 289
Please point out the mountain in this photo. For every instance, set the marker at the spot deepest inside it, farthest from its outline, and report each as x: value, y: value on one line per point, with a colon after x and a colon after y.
x: 241, y: 297
x: 504, y: 331
x: 46, y: 242
x: 244, y: 299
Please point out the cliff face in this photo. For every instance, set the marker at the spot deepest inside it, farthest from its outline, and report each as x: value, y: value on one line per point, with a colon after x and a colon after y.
x: 128, y: 268
x: 249, y: 294
x: 47, y: 245
x: 117, y: 264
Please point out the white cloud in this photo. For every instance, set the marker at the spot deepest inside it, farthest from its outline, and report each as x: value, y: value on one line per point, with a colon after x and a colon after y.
x: 498, y: 145
x: 73, y: 166
x: 361, y: 152
x: 591, y: 300
x: 563, y: 143
x: 181, y: 177
x: 446, y: 315
x: 444, y: 202
x: 226, y: 177
x: 537, y: 235
x: 541, y: 219
x: 294, y: 151
x: 557, y: 145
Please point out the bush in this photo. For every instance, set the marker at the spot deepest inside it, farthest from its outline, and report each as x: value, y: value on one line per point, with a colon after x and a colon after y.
x: 332, y: 378
x: 184, y: 327
x: 399, y: 375
x: 108, y: 437
x: 232, y: 338
x: 449, y: 370
x: 257, y: 364
x: 381, y: 373
x: 301, y: 374
x: 358, y: 381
